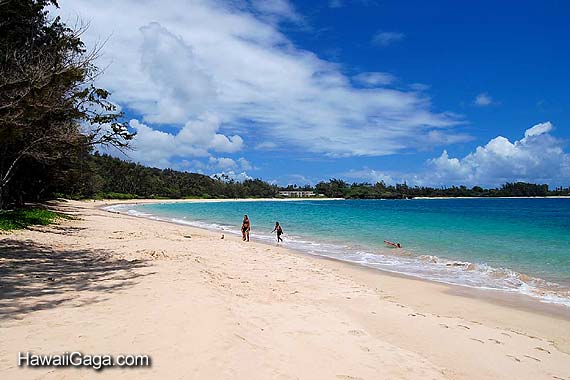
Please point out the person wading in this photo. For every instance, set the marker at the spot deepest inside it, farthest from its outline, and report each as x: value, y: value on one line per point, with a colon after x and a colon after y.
x: 245, y: 228
x: 279, y: 231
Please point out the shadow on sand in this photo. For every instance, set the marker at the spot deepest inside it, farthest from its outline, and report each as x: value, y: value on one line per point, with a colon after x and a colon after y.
x: 36, y: 277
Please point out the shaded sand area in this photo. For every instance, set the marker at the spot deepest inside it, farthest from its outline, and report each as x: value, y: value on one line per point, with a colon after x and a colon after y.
x: 209, y: 308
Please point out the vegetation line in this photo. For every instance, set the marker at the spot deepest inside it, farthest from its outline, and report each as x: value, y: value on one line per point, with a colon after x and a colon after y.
x: 24, y: 218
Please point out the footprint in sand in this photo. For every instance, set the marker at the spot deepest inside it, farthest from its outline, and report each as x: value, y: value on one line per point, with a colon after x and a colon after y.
x: 444, y: 325
x: 542, y: 349
x: 477, y: 340
x: 533, y: 358
x: 514, y: 358
x: 495, y: 341
x: 348, y: 377
x: 465, y: 327
x: 365, y: 349
x: 356, y: 332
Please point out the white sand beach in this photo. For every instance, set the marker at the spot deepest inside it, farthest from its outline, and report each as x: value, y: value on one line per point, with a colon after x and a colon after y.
x: 203, y: 307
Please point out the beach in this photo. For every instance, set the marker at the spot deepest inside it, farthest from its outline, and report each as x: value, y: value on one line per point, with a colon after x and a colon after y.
x: 203, y: 307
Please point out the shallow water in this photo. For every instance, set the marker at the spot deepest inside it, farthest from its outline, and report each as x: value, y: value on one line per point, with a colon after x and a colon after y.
x: 520, y: 245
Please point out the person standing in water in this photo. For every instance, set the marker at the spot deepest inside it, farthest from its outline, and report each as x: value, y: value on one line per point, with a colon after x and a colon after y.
x: 245, y: 228
x: 279, y: 231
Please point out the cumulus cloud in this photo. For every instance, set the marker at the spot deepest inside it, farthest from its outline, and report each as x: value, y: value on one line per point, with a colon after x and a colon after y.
x: 387, y: 38
x: 232, y: 175
x: 222, y: 162
x: 196, y: 139
x: 179, y: 90
x: 244, y: 164
x: 537, y: 157
x: 171, y: 61
x: 226, y: 163
x: 538, y: 129
x: 483, y: 100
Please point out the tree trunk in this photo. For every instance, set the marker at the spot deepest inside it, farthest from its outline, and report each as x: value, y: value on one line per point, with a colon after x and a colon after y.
x: 1, y: 197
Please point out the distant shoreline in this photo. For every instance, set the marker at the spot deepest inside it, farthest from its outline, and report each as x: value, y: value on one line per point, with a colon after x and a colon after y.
x: 112, y: 202
x: 109, y: 202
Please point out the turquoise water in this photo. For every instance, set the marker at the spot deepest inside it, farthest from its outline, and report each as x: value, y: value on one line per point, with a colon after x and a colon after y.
x: 518, y: 245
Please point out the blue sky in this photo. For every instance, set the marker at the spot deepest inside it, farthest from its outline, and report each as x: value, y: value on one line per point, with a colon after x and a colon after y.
x: 434, y: 93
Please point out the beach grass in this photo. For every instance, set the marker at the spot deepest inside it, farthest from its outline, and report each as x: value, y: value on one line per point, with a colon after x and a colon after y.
x: 23, y: 218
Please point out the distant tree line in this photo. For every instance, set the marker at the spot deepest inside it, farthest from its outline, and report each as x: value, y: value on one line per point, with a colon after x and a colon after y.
x: 103, y: 176
x: 337, y: 188
x: 89, y: 175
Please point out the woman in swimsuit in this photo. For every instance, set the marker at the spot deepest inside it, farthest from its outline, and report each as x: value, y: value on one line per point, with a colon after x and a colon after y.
x: 245, y: 228
x: 279, y: 231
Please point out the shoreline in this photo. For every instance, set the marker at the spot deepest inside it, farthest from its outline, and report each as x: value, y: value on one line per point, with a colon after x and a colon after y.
x: 249, y: 310
x: 113, y: 202
x: 523, y: 300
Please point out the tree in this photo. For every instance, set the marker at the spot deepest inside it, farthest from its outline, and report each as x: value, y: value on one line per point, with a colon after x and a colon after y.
x: 49, y: 106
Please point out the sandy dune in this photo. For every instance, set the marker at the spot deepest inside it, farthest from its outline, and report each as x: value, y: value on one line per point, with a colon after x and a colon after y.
x: 207, y: 308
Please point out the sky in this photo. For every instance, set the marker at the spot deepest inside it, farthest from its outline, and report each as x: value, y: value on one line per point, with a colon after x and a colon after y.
x: 432, y: 93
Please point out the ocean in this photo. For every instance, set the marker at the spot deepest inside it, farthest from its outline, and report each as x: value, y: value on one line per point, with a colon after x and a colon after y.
x: 514, y: 245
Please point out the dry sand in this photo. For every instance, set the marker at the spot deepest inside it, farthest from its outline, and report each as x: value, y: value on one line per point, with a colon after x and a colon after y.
x: 209, y: 308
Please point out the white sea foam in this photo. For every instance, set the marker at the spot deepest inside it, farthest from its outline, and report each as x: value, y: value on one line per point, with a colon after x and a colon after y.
x: 430, y: 267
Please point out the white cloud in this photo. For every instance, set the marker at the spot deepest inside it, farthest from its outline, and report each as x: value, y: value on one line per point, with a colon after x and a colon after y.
x: 539, y: 129
x: 537, y: 157
x: 245, y: 164
x: 483, y: 99
x: 373, y: 79
x: 172, y: 61
x: 387, y: 38
x: 196, y: 139
x: 222, y: 162
x: 181, y: 87
x: 232, y: 175
x: 226, y: 163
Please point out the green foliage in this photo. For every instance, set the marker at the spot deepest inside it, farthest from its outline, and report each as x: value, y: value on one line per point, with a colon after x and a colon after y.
x: 106, y: 177
x: 23, y: 218
x: 50, y: 111
x: 335, y: 188
x: 112, y: 195
x: 338, y: 188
